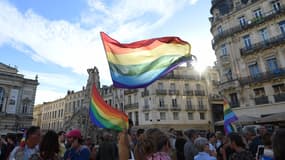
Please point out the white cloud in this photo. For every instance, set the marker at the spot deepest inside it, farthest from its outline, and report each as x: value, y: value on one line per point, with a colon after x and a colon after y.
x: 78, y: 45
x: 47, y: 95
x: 193, y: 2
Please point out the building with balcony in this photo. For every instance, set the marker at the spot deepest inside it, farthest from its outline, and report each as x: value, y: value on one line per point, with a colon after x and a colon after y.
x: 249, y: 43
x: 37, y: 115
x: 177, y: 100
x: 52, y: 116
x: 17, y: 98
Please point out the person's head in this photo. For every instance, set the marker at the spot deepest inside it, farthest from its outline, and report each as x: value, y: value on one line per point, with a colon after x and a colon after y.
x: 202, y: 144
x: 33, y: 136
x: 236, y: 141
x: 212, y: 138
x: 49, y: 145
x: 140, y: 131
x: 61, y: 136
x: 191, y: 134
x: 88, y: 140
x: 74, y: 138
x: 11, y: 138
x: 278, y: 144
x: 262, y: 130
x: 249, y: 132
x: 179, y: 134
x: 266, y: 140
x: 152, y: 141
x: 219, y: 135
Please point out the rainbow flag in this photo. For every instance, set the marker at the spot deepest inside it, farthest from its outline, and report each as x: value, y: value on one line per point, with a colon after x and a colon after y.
x: 229, y: 118
x: 105, y: 116
x: 138, y: 64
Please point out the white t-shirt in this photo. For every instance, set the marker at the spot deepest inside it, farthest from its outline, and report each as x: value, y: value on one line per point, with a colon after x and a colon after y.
x: 23, y: 153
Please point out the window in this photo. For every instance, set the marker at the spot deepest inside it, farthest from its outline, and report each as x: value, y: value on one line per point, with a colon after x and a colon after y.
x: 146, y: 116
x: 129, y: 100
x: 202, y: 115
x: 1, y: 99
x: 135, y: 98
x: 188, y: 102
x: 242, y: 21
x: 279, y: 88
x: 258, y: 13
x: 137, y: 118
x: 175, y: 115
x: 264, y: 34
x: 174, y: 102
x: 190, y: 116
x: 130, y: 115
x: 162, y: 115
x: 276, y: 6
x: 228, y: 74
x: 161, y: 102
x: 25, y: 108
x: 259, y: 92
x: 110, y: 101
x: 234, y: 100
x: 198, y: 86
x: 160, y: 86
x: 172, y: 86
x: 253, y: 70
x: 282, y: 27
x: 224, y: 51
x: 247, y: 41
x: 272, y: 65
x: 186, y: 86
x: 220, y: 30
x: 146, y: 102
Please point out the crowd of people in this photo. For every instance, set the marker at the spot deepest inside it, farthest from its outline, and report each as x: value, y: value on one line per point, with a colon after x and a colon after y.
x: 146, y: 144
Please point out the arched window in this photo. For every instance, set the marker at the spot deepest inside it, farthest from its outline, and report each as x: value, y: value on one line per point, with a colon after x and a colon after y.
x: 2, y: 93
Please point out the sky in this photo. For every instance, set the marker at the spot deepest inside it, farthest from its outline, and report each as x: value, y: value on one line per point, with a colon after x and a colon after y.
x: 58, y: 40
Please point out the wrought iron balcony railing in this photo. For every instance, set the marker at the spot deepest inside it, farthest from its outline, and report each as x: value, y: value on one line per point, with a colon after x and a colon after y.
x: 251, y: 23
x: 188, y: 93
x: 132, y: 106
x: 162, y: 107
x: 189, y: 107
x: 145, y: 93
x: 261, y: 100
x: 161, y: 92
x: 277, y: 40
x: 175, y: 108
x: 279, y: 97
x: 263, y: 77
x: 130, y: 91
x: 199, y: 93
x: 173, y: 92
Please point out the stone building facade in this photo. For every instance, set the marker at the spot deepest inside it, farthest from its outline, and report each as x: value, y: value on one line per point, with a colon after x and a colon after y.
x: 249, y: 43
x: 17, y: 98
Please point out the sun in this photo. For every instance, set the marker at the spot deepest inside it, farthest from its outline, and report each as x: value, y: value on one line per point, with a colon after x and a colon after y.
x: 200, y: 67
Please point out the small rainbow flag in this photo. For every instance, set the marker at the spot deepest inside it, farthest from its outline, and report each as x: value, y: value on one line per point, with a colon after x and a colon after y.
x: 138, y: 64
x: 229, y: 118
x: 105, y: 116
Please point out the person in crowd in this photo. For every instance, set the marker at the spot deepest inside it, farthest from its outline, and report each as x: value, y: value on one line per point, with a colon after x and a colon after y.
x: 140, y: 131
x: 179, y: 145
x: 268, y: 152
x: 107, y: 149
x: 219, y: 137
x: 124, y: 145
x: 153, y: 145
x: 189, y: 149
x: 2, y: 148
x: 252, y: 139
x: 11, y: 143
x: 77, y: 150
x: 29, y: 146
x: 89, y: 143
x: 202, y: 145
x: 61, y: 140
x: 278, y: 144
x: 212, y: 143
x: 237, y: 144
x: 262, y: 130
x: 49, y: 147
x: 224, y: 151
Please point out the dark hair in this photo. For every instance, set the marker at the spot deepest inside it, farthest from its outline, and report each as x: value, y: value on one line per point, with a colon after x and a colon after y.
x: 31, y: 130
x: 235, y: 137
x: 278, y: 144
x: 12, y: 137
x: 49, y: 145
x: 266, y: 139
x: 140, y: 131
x: 210, y: 135
x: 60, y: 133
x: 152, y: 141
x: 190, y: 133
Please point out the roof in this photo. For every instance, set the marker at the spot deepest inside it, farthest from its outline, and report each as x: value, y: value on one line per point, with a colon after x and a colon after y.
x: 277, y: 117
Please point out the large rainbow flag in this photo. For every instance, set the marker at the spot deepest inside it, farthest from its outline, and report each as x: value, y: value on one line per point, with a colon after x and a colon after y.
x: 138, y: 64
x: 229, y: 118
x: 105, y: 116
